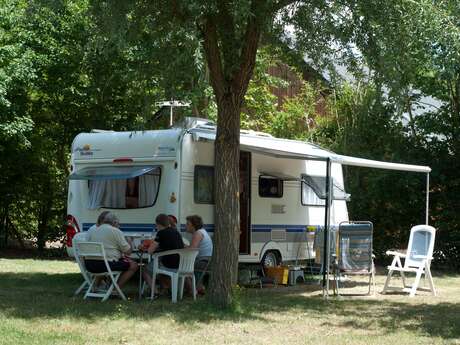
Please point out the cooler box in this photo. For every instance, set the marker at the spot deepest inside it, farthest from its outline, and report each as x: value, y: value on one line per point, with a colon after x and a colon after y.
x: 280, y: 274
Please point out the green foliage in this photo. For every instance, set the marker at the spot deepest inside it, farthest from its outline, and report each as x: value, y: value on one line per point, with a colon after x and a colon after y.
x: 60, y: 75
x: 297, y: 115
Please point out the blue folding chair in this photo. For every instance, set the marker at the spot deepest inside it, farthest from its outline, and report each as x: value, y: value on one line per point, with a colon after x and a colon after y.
x: 354, y: 252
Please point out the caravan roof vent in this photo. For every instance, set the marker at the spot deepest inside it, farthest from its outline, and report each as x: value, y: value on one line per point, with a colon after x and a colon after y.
x: 196, y: 122
x: 210, y: 126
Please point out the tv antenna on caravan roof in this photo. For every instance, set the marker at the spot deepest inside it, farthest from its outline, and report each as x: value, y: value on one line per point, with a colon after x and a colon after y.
x: 171, y: 104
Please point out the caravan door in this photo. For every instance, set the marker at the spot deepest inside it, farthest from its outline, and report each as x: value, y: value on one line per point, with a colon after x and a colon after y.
x: 245, y: 202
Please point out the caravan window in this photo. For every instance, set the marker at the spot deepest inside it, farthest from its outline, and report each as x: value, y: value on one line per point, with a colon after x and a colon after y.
x: 270, y: 187
x: 203, y: 184
x: 313, y: 192
x: 309, y: 197
x: 136, y: 192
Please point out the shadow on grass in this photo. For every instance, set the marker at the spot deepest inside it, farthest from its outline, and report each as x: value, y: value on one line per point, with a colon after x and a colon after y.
x: 40, y: 295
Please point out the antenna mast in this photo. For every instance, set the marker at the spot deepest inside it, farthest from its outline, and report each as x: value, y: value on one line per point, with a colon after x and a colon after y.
x: 171, y: 104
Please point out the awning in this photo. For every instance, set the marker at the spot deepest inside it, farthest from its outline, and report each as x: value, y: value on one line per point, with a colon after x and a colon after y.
x: 110, y: 172
x: 367, y: 163
x: 292, y: 149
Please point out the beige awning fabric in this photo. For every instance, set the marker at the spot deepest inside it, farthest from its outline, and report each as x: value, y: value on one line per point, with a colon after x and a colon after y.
x: 283, y: 148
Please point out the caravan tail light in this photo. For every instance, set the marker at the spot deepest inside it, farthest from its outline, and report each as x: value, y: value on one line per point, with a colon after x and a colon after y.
x: 71, y: 228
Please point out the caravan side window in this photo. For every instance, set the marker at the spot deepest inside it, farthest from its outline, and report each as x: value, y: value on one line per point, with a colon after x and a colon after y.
x: 137, y: 192
x: 308, y: 196
x: 313, y: 191
x: 203, y: 184
x: 270, y: 187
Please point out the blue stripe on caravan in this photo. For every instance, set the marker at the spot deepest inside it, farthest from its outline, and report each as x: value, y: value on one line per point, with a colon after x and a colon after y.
x: 130, y: 227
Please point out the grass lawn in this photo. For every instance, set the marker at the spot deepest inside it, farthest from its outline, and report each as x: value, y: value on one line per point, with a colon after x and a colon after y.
x: 37, y: 307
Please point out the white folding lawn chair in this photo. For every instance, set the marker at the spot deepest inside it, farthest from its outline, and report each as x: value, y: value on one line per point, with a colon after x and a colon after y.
x: 95, y: 250
x: 81, y: 237
x: 417, y: 259
x: 186, y: 267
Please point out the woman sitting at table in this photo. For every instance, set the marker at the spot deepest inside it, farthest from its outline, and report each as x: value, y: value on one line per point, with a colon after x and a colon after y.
x: 202, y: 241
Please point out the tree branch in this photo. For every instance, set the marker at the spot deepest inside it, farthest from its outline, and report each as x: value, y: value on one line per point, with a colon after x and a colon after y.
x: 213, y: 57
x: 227, y: 35
x: 178, y: 12
x: 248, y: 52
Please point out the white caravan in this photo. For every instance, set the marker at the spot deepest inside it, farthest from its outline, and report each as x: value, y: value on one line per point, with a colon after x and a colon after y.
x: 141, y: 174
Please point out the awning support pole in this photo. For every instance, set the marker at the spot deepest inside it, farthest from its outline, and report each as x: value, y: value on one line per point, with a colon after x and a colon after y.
x: 427, y: 198
x: 326, y: 246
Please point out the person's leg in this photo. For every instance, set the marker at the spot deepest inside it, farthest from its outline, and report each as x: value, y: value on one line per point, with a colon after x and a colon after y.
x: 201, y: 268
x: 188, y: 285
x: 99, y: 281
x: 96, y: 266
x: 147, y: 278
x: 146, y: 274
x: 165, y: 282
x: 126, y: 275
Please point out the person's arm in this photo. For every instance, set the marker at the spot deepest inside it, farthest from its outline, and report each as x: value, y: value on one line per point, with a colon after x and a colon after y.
x: 153, y: 247
x: 196, y: 239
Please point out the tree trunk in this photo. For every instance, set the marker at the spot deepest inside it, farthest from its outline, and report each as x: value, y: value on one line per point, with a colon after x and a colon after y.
x: 227, y: 221
x: 4, y: 228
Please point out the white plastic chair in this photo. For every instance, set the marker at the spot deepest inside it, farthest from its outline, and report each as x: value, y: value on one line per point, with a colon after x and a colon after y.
x: 417, y: 259
x: 187, y: 258
x: 81, y: 237
x: 95, y: 250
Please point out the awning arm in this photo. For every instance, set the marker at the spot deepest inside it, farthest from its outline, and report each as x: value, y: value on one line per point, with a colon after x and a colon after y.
x: 427, y: 210
x: 327, y: 218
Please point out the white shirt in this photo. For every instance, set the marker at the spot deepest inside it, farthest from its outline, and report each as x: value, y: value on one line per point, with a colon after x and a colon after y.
x: 205, y: 248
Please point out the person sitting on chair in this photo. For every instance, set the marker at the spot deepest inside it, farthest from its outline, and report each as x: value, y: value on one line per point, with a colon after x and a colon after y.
x: 167, y: 238
x: 172, y: 221
x: 99, y: 222
x: 202, y: 241
x: 115, y: 246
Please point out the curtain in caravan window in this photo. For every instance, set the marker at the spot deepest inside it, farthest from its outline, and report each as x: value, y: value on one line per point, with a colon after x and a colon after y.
x: 148, y: 188
x: 115, y: 194
x: 309, y: 196
x: 96, y: 193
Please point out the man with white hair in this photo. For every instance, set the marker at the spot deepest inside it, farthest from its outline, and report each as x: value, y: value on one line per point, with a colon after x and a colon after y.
x: 116, y: 249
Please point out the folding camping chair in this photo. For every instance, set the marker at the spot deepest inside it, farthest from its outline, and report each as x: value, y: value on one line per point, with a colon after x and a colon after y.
x: 417, y: 257
x: 81, y: 237
x: 95, y: 250
x: 354, y: 252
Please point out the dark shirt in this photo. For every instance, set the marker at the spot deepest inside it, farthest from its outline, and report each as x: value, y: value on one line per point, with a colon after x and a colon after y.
x: 169, y: 239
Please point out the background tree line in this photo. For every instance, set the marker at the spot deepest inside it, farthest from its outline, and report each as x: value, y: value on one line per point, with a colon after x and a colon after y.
x: 64, y: 71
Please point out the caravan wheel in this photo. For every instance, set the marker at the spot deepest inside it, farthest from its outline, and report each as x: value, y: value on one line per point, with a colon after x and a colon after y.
x: 270, y: 259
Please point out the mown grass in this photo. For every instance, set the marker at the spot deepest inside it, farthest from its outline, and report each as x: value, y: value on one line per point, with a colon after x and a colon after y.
x: 37, y: 307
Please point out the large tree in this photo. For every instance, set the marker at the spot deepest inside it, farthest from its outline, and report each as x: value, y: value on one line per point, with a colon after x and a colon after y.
x: 230, y: 33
